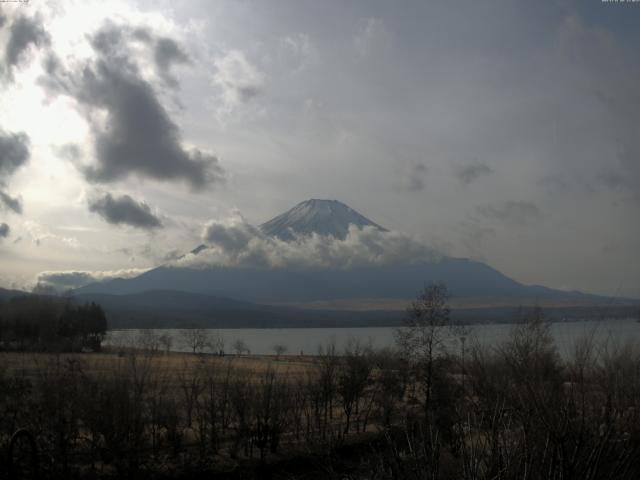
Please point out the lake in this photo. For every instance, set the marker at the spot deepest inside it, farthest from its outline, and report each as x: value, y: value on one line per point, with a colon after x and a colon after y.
x: 306, y: 340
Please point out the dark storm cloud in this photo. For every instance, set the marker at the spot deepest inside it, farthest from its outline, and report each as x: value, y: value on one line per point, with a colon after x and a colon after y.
x: 110, y: 39
x: 137, y: 136
x: 23, y: 33
x: 511, y: 212
x: 4, y: 230
x: 124, y: 210
x: 14, y: 152
x: 469, y: 173
x: 10, y: 202
x: 166, y: 54
x: 140, y: 136
x: 231, y: 237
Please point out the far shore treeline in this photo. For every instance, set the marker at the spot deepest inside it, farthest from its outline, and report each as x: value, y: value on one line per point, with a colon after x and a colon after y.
x: 45, y: 323
x: 23, y: 325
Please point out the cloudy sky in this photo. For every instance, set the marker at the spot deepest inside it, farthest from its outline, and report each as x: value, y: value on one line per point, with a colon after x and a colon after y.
x: 507, y: 132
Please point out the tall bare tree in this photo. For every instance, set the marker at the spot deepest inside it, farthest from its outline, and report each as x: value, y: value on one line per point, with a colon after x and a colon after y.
x: 422, y: 335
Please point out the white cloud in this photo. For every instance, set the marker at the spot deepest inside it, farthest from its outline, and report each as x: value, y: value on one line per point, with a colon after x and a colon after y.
x: 40, y: 234
x: 234, y: 242
x: 62, y: 280
x: 238, y: 79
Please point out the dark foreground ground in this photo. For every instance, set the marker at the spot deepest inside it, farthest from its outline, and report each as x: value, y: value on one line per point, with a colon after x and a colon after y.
x: 508, y: 412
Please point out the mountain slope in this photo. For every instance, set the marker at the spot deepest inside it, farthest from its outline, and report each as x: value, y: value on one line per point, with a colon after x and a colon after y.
x: 324, y: 217
x: 170, y: 309
x: 6, y: 294
x: 463, y: 277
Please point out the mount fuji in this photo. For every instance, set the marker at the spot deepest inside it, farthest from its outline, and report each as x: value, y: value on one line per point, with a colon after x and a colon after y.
x: 323, y: 217
x: 368, y: 284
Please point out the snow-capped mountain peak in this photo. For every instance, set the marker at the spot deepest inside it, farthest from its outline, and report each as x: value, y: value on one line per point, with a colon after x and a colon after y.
x: 323, y: 217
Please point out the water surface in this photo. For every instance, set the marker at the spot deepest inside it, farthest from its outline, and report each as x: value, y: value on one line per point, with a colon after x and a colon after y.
x: 261, y: 341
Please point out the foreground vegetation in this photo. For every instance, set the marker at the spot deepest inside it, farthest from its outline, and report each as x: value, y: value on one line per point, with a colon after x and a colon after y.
x: 513, y: 411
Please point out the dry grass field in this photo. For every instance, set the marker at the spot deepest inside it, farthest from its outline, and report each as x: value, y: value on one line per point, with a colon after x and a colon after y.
x: 170, y: 363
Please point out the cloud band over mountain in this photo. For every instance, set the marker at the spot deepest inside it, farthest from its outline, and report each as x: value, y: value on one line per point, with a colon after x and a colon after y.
x: 234, y: 242
x: 59, y: 281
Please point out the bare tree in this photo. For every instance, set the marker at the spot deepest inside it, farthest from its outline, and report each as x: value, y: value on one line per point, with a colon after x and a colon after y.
x: 217, y: 343
x: 390, y: 383
x: 166, y: 340
x: 240, y: 347
x: 353, y: 378
x: 148, y: 341
x: 196, y: 339
x: 422, y: 336
x: 271, y: 398
x: 279, y: 349
x: 327, y: 362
